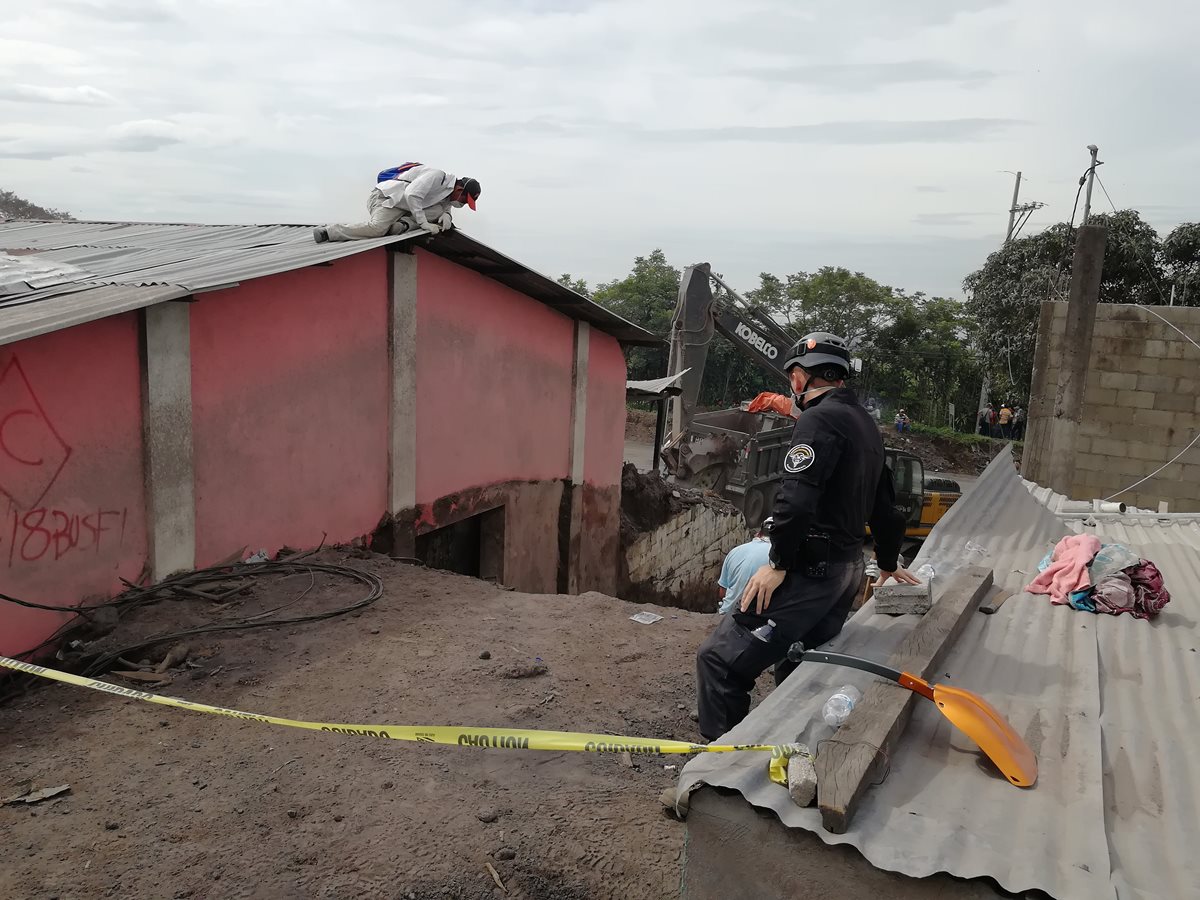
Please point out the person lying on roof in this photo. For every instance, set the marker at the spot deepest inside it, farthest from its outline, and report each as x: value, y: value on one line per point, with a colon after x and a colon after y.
x: 405, y: 198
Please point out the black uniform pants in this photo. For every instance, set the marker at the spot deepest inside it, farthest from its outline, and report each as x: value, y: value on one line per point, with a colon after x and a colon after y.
x: 729, y: 661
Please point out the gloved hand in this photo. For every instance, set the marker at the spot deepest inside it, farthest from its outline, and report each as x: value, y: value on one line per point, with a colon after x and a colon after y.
x: 432, y: 227
x: 446, y: 221
x: 768, y: 402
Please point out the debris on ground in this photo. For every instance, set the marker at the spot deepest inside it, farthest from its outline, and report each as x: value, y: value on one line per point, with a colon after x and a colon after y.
x: 646, y: 618
x: 524, y: 670
x: 27, y: 795
x: 648, y: 501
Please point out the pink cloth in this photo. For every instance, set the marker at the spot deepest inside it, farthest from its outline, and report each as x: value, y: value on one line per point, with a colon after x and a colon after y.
x: 1068, y: 569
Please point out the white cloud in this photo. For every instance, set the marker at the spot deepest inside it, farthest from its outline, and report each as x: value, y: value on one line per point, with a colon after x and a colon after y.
x: 83, y: 95
x: 763, y: 135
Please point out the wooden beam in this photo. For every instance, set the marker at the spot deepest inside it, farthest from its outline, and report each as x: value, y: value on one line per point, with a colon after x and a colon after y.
x: 857, y: 755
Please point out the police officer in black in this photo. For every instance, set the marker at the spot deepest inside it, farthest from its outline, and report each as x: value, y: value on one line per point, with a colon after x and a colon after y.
x: 834, y: 481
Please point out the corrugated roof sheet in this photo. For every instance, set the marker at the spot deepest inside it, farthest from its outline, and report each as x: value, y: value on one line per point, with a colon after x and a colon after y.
x: 1109, y: 703
x: 655, y: 387
x: 60, y: 259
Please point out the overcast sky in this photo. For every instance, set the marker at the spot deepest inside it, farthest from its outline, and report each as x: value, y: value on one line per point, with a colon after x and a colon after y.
x: 776, y: 135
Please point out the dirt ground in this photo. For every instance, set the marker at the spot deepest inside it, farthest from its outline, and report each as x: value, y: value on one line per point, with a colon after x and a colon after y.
x: 639, y: 424
x: 944, y: 456
x: 168, y: 803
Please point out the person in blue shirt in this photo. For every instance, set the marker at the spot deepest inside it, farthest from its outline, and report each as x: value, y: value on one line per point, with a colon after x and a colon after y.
x: 741, y: 563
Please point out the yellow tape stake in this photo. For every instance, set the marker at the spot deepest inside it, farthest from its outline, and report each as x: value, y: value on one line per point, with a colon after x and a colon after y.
x: 462, y: 736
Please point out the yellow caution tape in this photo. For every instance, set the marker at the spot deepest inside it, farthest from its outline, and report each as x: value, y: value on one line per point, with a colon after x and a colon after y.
x: 461, y: 736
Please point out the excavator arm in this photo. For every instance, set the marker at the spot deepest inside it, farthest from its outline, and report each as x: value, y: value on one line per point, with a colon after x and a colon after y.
x: 698, y: 316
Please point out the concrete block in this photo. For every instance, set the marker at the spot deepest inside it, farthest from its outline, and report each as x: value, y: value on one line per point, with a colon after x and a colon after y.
x: 1177, y: 350
x: 1145, y: 365
x: 1180, y: 368
x: 1188, y: 385
x: 1151, y: 452
x: 1156, y: 383
x: 1107, y: 446
x: 802, y: 779
x: 1155, y: 348
x: 1175, y: 402
x: 1121, y: 381
x: 1100, y: 396
x: 1147, y: 416
x: 903, y: 599
x: 1135, y: 399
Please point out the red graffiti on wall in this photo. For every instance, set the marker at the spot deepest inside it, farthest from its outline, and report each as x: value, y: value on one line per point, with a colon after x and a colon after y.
x: 50, y: 534
x: 32, y: 453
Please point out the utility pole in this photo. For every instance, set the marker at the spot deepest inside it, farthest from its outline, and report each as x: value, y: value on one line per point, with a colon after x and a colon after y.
x: 1091, y: 177
x: 1012, y: 212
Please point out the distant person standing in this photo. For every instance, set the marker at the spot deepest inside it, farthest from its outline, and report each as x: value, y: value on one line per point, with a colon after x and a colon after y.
x: 1019, y: 424
x: 986, y: 416
x: 1006, y: 418
x: 740, y: 564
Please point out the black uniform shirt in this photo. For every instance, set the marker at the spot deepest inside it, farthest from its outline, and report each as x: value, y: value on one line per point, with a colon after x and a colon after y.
x: 834, y: 482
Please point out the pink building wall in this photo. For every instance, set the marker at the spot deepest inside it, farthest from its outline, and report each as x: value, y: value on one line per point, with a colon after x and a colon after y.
x: 494, y: 390
x: 72, y: 503
x: 605, y: 423
x: 290, y: 431
x: 290, y: 424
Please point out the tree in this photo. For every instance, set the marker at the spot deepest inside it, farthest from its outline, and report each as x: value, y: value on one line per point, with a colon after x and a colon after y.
x: 14, y: 207
x: 1181, y: 258
x: 1006, y: 293
x: 646, y: 297
x: 834, y: 299
x: 578, y: 285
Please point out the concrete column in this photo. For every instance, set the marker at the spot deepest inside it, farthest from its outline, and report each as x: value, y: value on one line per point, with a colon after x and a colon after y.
x: 402, y: 351
x: 579, y: 382
x: 167, y: 437
x: 1035, y: 458
x: 1063, y: 425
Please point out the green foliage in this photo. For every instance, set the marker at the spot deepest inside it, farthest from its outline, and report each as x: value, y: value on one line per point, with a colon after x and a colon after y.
x: 14, y: 207
x: 578, y: 285
x: 1181, y: 258
x: 1006, y: 293
x: 970, y: 440
x: 646, y: 297
x: 848, y: 304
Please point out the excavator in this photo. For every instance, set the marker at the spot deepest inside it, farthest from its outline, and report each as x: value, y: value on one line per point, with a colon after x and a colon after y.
x: 739, y: 454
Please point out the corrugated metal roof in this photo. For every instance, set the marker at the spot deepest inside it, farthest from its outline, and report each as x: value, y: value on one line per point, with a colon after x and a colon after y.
x: 65, y: 258
x: 1109, y: 703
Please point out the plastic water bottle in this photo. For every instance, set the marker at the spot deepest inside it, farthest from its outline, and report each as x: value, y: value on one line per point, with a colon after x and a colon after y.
x: 926, y: 572
x: 837, y: 708
x: 764, y: 632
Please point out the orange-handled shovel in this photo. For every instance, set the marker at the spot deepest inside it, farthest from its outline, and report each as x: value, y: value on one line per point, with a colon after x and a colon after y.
x: 968, y: 712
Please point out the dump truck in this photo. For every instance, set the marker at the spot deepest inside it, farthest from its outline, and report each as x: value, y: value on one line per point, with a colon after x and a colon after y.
x: 739, y: 454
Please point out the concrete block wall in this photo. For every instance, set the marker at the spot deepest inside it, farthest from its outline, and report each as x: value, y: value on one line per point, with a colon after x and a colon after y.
x: 1141, y: 407
x: 680, y: 562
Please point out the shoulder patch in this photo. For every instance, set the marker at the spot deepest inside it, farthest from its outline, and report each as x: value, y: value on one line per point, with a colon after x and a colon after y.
x: 799, y: 458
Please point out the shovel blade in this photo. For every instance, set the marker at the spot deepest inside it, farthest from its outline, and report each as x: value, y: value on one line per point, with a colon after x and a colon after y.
x: 979, y: 720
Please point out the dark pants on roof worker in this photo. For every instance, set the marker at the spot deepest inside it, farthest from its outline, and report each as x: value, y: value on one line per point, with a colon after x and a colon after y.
x: 835, y: 482
x: 805, y: 609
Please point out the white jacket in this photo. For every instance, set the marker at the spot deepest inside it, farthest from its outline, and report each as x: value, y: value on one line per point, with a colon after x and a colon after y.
x: 416, y: 190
